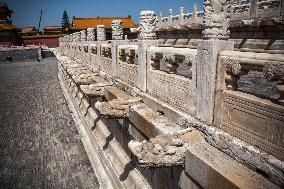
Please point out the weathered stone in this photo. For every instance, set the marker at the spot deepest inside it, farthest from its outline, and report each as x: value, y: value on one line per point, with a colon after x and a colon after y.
x: 163, y: 150
x: 213, y: 169
x: 84, y: 79
x: 207, y: 55
x: 148, y: 22
x: 95, y: 89
x: 216, y: 19
x: 117, y: 30
x: 91, y: 36
x: 116, y: 108
x: 101, y: 33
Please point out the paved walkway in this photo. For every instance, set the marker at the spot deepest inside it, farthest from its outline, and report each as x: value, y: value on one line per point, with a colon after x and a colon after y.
x: 39, y: 143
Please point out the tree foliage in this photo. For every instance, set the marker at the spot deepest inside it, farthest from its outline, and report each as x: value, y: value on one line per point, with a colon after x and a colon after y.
x: 65, y: 21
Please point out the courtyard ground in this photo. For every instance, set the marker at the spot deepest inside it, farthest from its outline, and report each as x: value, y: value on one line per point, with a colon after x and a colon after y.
x: 39, y: 144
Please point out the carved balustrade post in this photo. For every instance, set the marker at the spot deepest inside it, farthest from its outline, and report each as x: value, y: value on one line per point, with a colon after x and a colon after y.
x: 195, y: 11
x: 117, y: 30
x: 147, y: 37
x: 216, y: 18
x: 78, y: 36
x: 91, y: 36
x: 117, y: 39
x: 83, y: 35
x: 101, y: 33
x: 181, y: 16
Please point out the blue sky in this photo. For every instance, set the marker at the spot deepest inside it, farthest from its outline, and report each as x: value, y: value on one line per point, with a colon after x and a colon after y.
x: 27, y: 12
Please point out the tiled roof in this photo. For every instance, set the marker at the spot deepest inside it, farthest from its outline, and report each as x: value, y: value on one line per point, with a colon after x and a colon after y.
x: 28, y: 30
x: 84, y: 23
x: 52, y: 28
x: 7, y: 27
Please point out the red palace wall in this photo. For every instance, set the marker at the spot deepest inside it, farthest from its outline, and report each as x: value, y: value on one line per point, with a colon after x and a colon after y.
x: 49, y: 42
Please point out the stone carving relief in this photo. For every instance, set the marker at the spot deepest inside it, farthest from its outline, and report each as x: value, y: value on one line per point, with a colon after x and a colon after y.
x: 101, y: 33
x: 86, y: 49
x: 216, y: 19
x: 275, y: 71
x: 94, y: 49
x: 232, y: 66
x: 117, y: 30
x: 106, y: 52
x: 117, y: 108
x: 131, y: 55
x: 233, y: 73
x: 148, y: 23
x: 163, y: 150
x: 95, y: 89
x: 91, y: 34
x: 122, y: 55
x: 172, y: 62
x: 156, y: 59
x: 265, y: 4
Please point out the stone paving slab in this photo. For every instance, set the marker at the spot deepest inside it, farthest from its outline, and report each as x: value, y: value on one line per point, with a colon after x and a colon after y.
x: 39, y: 144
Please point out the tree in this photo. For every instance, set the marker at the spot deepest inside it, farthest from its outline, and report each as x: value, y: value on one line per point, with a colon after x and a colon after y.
x: 65, y: 21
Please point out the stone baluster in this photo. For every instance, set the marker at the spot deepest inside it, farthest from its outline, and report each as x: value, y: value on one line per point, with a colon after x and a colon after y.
x: 181, y: 16
x: 101, y: 33
x: 216, y: 18
x: 117, y: 30
x: 91, y: 34
x: 170, y: 13
x: 170, y: 21
x: 83, y: 35
x: 195, y: 12
x: 148, y: 23
x: 78, y: 36
x: 147, y: 37
x: 161, y: 17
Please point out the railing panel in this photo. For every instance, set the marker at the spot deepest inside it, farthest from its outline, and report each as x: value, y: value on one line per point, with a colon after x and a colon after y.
x: 106, y: 58
x: 127, y: 69
x: 258, y: 120
x: 169, y: 85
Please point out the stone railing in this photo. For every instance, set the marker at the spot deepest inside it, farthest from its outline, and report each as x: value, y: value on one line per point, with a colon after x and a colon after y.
x: 150, y: 93
x: 242, y: 108
x: 252, y: 12
x: 182, y: 21
x: 243, y: 13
